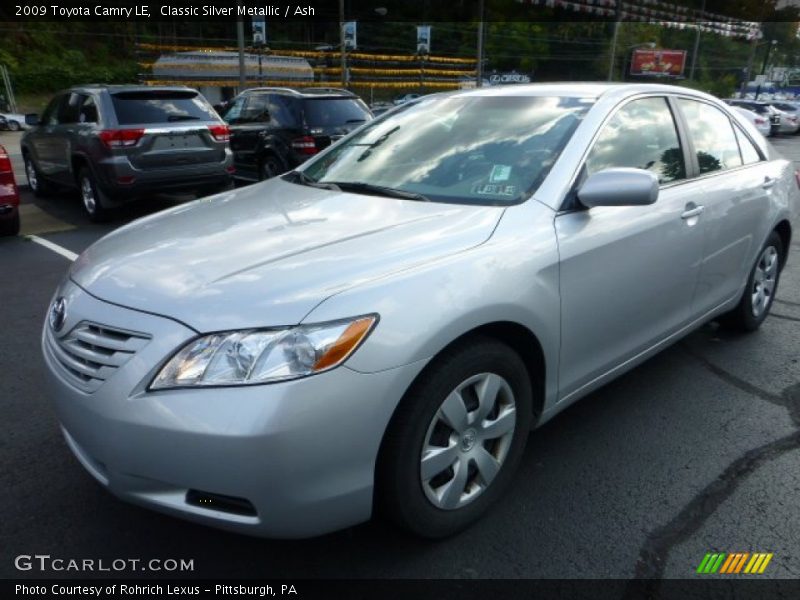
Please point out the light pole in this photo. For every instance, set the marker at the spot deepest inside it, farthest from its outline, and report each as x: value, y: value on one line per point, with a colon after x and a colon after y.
x: 696, y: 46
x: 342, y: 50
x: 613, y: 58
x: 479, y: 69
x: 240, y: 41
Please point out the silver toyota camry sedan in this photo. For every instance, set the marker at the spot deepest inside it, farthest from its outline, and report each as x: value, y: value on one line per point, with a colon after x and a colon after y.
x: 378, y: 331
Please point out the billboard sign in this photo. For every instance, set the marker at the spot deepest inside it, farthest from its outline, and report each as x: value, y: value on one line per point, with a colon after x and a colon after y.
x: 658, y: 63
x: 259, y: 30
x: 350, y: 35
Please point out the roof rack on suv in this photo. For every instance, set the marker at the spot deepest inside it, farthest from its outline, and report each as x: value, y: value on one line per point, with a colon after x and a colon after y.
x: 328, y: 90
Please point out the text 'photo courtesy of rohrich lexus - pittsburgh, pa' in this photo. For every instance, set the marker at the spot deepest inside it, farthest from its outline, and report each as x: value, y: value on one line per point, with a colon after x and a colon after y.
x: 376, y: 332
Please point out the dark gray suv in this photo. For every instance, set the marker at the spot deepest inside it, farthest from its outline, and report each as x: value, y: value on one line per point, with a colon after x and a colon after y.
x: 117, y: 143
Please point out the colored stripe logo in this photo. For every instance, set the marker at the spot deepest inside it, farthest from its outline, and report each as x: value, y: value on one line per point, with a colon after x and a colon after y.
x: 737, y: 562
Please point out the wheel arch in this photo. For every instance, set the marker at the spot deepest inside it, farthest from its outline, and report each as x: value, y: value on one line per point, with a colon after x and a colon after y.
x: 784, y: 231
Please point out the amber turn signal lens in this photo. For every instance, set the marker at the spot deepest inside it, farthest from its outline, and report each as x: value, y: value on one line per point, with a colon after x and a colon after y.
x: 346, y: 344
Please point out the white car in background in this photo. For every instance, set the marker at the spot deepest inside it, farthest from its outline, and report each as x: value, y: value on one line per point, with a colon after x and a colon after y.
x: 16, y: 121
x: 757, y: 120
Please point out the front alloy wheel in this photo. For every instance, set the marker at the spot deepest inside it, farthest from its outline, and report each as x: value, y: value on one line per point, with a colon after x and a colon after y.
x: 455, y: 439
x: 765, y: 279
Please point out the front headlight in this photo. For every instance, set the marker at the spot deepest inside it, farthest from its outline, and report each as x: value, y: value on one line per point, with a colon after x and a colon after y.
x: 263, y: 355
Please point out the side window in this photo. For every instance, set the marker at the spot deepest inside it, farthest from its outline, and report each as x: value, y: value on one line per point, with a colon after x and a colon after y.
x: 234, y: 112
x: 750, y: 153
x: 50, y: 116
x: 280, y: 110
x: 642, y: 135
x: 68, y: 113
x: 256, y: 109
x: 88, y: 111
x: 713, y: 137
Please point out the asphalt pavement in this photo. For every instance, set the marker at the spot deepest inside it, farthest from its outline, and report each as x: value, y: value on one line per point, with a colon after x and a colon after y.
x: 696, y: 451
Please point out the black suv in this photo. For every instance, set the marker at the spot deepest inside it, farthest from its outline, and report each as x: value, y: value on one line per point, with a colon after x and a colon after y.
x: 116, y: 143
x: 275, y: 129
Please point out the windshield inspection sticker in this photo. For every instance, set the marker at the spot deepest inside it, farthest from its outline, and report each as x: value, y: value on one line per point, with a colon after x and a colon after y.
x: 494, y: 189
x: 500, y: 173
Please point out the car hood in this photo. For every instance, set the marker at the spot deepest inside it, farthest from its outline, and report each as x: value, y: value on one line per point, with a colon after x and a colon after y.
x: 267, y: 254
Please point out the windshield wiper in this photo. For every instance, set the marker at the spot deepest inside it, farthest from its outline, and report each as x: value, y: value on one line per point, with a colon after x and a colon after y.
x: 303, y: 179
x: 378, y: 190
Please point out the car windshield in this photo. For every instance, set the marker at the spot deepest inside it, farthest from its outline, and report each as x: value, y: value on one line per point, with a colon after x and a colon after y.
x: 460, y: 149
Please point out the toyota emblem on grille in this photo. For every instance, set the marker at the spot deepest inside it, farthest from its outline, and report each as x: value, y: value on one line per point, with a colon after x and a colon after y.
x: 58, y: 313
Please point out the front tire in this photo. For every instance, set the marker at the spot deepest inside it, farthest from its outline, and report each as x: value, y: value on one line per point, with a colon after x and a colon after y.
x: 14, y: 126
x: 456, y: 439
x: 762, y: 284
x: 40, y: 187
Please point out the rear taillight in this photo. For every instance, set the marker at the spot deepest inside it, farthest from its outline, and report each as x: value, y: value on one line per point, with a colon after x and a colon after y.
x: 8, y: 187
x: 121, y: 138
x: 305, y: 145
x: 797, y: 177
x: 221, y: 133
x: 760, y: 121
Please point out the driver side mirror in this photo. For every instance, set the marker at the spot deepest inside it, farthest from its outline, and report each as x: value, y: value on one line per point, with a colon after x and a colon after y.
x: 619, y: 187
x: 32, y: 119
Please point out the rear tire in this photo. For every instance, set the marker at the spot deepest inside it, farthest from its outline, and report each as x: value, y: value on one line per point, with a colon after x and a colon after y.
x: 14, y: 126
x: 759, y: 293
x: 95, y: 201
x: 10, y: 226
x: 269, y: 167
x: 456, y: 439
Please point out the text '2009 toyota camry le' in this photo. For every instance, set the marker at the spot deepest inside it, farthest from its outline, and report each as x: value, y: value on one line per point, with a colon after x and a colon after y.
x: 379, y: 330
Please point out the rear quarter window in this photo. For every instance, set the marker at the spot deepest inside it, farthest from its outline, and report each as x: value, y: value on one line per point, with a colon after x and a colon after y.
x: 159, y: 107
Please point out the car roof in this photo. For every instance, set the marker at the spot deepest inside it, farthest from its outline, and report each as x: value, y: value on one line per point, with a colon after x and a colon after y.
x: 121, y: 88
x: 582, y: 90
x: 310, y: 92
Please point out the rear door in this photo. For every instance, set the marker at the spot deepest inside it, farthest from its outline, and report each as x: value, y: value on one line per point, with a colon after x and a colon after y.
x: 250, y: 120
x: 174, y: 128
x: 736, y: 191
x: 628, y: 273
x: 43, y: 139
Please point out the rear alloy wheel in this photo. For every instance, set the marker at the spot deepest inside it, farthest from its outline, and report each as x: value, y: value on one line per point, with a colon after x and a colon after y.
x: 14, y: 126
x: 759, y: 293
x: 456, y: 439
x: 270, y: 167
x: 94, y: 200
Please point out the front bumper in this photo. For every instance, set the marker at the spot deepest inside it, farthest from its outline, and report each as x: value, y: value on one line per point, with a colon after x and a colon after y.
x: 302, y: 453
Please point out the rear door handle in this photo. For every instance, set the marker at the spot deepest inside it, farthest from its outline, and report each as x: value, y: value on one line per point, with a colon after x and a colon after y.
x: 768, y: 182
x: 695, y: 211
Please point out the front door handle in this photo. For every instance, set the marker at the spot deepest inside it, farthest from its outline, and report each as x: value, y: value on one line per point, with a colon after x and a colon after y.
x: 692, y: 211
x: 768, y: 182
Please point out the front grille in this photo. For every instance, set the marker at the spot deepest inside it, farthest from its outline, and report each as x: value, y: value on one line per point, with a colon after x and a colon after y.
x: 90, y: 353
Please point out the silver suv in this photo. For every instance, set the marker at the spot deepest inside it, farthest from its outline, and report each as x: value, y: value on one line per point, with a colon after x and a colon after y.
x: 117, y: 143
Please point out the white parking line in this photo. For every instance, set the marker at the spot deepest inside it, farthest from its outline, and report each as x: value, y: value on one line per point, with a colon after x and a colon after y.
x: 54, y: 247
